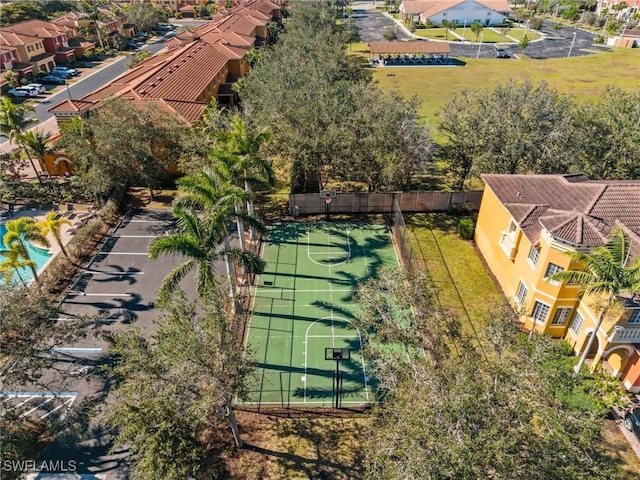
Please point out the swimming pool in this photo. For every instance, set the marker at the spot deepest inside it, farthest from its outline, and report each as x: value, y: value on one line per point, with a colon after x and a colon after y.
x: 39, y: 255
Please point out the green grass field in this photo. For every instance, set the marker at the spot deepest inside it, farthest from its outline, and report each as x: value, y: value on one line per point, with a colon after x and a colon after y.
x: 583, y: 77
x: 435, y: 34
x: 518, y: 33
x: 302, y: 304
x: 488, y: 36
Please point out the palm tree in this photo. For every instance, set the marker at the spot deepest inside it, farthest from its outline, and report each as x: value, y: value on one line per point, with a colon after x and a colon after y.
x: 245, y: 165
x: 606, y: 272
x: 38, y: 143
x: 11, y: 77
x: 52, y: 224
x: 209, y: 192
x: 14, y: 121
x: 95, y: 16
x: 19, y: 231
x: 198, y: 240
x: 13, y: 262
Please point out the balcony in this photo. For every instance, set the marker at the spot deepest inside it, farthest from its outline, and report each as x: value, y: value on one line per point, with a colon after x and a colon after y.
x: 507, y: 243
x: 624, y: 335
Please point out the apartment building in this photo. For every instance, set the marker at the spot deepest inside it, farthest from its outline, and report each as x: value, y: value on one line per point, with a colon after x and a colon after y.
x: 527, y: 223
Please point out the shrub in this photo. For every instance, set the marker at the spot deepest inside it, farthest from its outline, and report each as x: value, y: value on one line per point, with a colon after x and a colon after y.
x: 535, y: 23
x: 466, y: 227
x: 599, y: 40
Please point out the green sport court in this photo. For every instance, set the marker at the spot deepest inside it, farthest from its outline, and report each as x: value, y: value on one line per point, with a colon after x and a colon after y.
x: 303, y: 304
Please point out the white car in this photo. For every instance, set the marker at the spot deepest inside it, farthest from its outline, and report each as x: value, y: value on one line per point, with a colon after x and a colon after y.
x: 31, y: 91
x: 37, y: 87
x: 15, y: 92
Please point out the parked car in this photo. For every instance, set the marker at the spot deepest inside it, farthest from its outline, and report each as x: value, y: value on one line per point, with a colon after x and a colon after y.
x: 131, y: 45
x: 67, y: 70
x: 632, y: 420
x: 61, y: 74
x: 501, y: 52
x: 37, y: 86
x: 32, y: 92
x: 52, y: 79
x: 165, y: 27
x: 17, y: 93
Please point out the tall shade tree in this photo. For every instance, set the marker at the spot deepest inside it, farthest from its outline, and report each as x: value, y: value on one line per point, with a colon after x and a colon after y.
x: 198, y: 240
x: 121, y: 145
x: 20, y: 231
x: 52, y: 225
x: 515, y: 128
x: 174, y: 396
x: 607, y: 132
x: 12, y: 261
x: 606, y: 272
x: 14, y: 122
x: 92, y: 12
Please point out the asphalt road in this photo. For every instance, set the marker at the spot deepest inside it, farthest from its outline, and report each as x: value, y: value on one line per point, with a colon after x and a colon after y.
x: 87, y: 83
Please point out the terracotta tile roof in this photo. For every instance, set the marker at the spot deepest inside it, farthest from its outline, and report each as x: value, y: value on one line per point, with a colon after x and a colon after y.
x: 496, y: 5
x: 75, y: 106
x: 190, y: 111
x: 231, y: 52
x: 186, y: 75
x: 572, y: 208
x: 416, y: 6
x: 15, y: 39
x: 37, y: 28
x: 105, y: 92
x: 417, y: 46
x: 229, y: 38
x: 238, y: 24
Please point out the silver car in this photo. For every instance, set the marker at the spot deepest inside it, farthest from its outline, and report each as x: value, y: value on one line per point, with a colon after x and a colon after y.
x: 37, y: 87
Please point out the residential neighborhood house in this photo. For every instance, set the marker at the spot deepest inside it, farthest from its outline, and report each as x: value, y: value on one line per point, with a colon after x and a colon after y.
x: 527, y: 223
x: 485, y: 12
x: 619, y: 9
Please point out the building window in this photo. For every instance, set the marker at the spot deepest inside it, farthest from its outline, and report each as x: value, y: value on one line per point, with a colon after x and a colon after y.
x: 561, y: 316
x: 508, y: 239
x: 534, y: 255
x: 521, y: 294
x: 552, y: 269
x: 577, y: 323
x: 540, y: 312
x: 635, y: 316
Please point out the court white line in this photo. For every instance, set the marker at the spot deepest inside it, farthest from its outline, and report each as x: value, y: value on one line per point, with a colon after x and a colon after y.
x: 274, y: 290
x: 63, y: 319
x: 328, y: 246
x: 331, y: 336
x: 13, y: 407
x: 351, y: 402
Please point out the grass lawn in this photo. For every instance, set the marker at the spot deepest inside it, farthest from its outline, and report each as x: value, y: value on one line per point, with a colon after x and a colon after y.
x: 518, y: 33
x: 435, y: 34
x: 583, y: 77
x: 488, y: 36
x: 461, y: 277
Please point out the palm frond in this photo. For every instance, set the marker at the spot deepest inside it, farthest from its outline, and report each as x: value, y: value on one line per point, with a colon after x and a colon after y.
x: 248, y: 260
x: 177, y: 244
x: 172, y: 281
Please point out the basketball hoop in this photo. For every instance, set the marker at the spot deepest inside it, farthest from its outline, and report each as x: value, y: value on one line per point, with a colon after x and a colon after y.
x: 327, y: 199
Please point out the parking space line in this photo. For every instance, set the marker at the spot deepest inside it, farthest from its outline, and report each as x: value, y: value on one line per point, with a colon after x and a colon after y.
x: 134, y: 236
x: 69, y: 402
x: 38, y: 394
x: 75, y: 350
x: 36, y: 408
x: 123, y: 253
x: 102, y: 272
x: 150, y: 221
x: 82, y: 294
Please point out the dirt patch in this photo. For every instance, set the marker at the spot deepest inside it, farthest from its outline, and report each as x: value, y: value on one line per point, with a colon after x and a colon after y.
x: 298, y: 448
x: 616, y: 448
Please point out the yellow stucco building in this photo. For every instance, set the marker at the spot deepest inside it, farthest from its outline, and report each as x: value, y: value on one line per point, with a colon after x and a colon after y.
x: 527, y: 223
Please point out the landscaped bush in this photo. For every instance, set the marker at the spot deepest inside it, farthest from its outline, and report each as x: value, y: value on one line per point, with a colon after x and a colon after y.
x: 466, y: 226
x: 535, y: 23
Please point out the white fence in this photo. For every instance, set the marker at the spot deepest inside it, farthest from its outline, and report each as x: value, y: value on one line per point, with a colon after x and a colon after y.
x: 362, y: 202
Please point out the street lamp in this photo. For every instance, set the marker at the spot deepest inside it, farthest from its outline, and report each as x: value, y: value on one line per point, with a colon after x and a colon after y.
x: 480, y: 44
x: 464, y: 29
x: 572, y: 42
